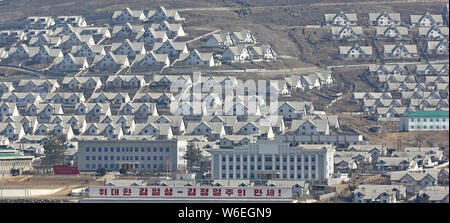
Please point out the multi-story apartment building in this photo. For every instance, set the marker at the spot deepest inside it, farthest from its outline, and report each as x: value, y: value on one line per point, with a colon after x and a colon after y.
x: 144, y: 155
x: 273, y: 160
x: 424, y: 121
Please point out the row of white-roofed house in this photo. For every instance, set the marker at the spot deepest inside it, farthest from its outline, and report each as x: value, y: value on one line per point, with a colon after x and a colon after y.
x: 310, y: 81
x: 239, y: 47
x: 125, y: 83
x: 161, y: 127
x: 392, y: 33
x: 67, y: 35
x: 239, y: 104
x: 420, y: 69
x: 423, y: 88
x: 392, y: 52
x: 230, y: 105
x: 122, y: 55
x: 410, y: 101
x: 380, y: 158
x: 430, y: 31
x: 73, y: 84
x: 141, y: 16
x: 417, y: 186
x: 79, y: 42
x: 385, y: 19
x: 301, y: 122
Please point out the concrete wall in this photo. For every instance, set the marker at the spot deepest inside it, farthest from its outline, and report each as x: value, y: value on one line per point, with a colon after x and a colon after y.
x: 26, y: 192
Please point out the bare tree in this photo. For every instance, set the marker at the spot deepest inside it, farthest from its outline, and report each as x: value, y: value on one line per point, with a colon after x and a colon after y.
x: 419, y: 139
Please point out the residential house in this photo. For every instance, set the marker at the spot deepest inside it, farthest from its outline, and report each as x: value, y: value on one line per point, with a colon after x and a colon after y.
x: 400, y: 51
x: 384, y: 19
x: 151, y: 36
x: 172, y: 30
x: 426, y: 20
x: 347, y: 32
x: 87, y: 50
x: 263, y: 52
x: 236, y: 53
x: 195, y: 59
x: 149, y: 60
x: 39, y: 22
x: 437, y: 48
x: 110, y: 61
x: 392, y: 32
x: 171, y: 48
x: 126, y: 31
x: 433, y: 33
x: 219, y: 40
x: 310, y: 127
x: 128, y: 16
x: 340, y: 19
x: 163, y: 14
x: 131, y: 49
x: 355, y: 52
x: 70, y: 63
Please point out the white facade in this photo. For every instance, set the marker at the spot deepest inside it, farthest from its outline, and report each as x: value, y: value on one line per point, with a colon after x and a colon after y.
x: 273, y: 158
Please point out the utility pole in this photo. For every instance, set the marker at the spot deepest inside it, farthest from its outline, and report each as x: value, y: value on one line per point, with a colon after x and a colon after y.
x: 399, y: 143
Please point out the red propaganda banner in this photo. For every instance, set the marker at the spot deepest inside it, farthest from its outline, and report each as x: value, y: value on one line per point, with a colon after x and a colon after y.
x: 65, y: 170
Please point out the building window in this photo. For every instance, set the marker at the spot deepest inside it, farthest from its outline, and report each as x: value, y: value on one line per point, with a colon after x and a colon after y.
x: 87, y: 157
x: 87, y: 166
x: 87, y: 149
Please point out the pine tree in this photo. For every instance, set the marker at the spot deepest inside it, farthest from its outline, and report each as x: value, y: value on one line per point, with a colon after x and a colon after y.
x: 193, y: 155
x: 54, y: 150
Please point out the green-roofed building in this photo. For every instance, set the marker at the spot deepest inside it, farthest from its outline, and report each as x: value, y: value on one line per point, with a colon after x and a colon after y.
x: 424, y: 121
x: 11, y: 159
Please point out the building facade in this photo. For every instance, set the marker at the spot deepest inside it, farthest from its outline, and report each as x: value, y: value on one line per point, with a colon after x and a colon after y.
x: 143, y: 155
x: 11, y: 160
x: 273, y: 160
x: 424, y: 121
